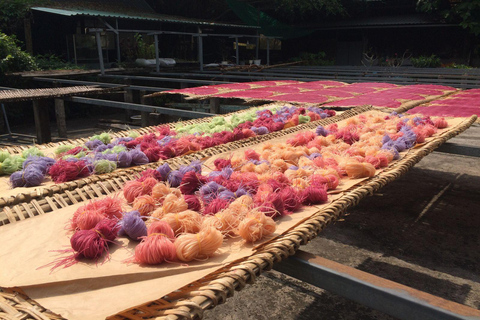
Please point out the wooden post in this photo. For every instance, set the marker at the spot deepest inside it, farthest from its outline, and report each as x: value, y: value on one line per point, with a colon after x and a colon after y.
x: 27, y: 23
x: 42, y: 121
x: 145, y: 115
x: 215, y: 105
x: 128, y: 97
x: 60, y: 115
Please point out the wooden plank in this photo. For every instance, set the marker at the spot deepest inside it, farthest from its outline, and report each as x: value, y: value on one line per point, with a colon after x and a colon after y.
x: 42, y: 121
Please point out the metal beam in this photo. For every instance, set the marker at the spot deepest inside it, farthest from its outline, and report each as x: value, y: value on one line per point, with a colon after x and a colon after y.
x: 387, y: 296
x: 102, y: 84
x: 458, y: 149
x: 139, y: 107
x: 165, y: 79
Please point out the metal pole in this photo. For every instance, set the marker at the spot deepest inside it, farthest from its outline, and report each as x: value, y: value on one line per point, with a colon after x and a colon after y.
x: 157, y: 54
x: 75, y: 49
x: 268, y: 51
x: 100, y: 53
x: 237, y: 51
x: 68, y: 49
x: 200, y: 48
x: 257, y: 41
x: 119, y: 57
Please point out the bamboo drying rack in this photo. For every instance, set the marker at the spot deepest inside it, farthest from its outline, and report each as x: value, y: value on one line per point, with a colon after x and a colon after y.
x: 190, y: 301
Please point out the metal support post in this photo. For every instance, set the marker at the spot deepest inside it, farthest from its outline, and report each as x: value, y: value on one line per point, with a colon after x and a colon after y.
x: 75, y: 49
x: 200, y: 49
x: 395, y: 299
x: 268, y: 51
x: 100, y: 53
x: 119, y: 57
x: 257, y: 42
x: 157, y: 54
x: 237, y: 51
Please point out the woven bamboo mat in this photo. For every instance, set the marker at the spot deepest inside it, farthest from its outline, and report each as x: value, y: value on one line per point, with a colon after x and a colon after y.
x: 48, y: 93
x: 204, y: 92
x: 49, y: 198
x: 191, y: 300
x: 458, y: 104
x: 317, y: 93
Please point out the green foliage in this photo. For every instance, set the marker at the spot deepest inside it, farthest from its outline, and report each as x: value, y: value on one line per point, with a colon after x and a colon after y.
x: 53, y: 62
x: 457, y: 66
x: 137, y: 47
x: 426, y: 61
x: 144, y: 50
x: 12, y: 58
x: 11, y: 11
x: 466, y: 12
x: 303, y: 7
x: 314, y: 59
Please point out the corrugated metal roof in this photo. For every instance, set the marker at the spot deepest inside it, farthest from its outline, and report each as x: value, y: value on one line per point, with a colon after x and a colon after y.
x: 127, y: 6
x: 146, y: 17
x: 407, y: 20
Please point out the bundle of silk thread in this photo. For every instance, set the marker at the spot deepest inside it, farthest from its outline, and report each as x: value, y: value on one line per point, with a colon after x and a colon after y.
x: 87, y: 216
x: 90, y: 244
x: 132, y: 225
x: 65, y: 170
x: 198, y: 246
x: 157, y: 247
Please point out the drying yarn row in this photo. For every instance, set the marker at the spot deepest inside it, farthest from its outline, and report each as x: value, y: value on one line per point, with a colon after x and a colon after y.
x: 101, y: 154
x: 186, y: 214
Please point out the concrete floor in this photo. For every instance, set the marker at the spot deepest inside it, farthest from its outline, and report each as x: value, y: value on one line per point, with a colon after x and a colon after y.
x: 393, y: 236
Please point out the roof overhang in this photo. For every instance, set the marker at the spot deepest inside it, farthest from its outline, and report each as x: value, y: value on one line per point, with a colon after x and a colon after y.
x: 144, y: 17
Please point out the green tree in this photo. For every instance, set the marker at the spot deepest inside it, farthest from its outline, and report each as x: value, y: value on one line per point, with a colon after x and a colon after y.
x: 464, y: 12
x: 12, y: 13
x: 12, y: 58
x: 286, y: 10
